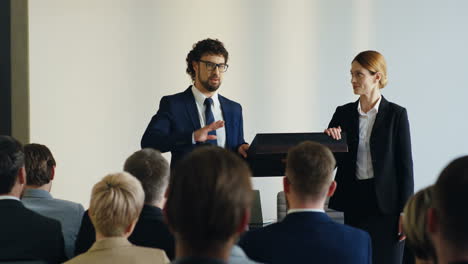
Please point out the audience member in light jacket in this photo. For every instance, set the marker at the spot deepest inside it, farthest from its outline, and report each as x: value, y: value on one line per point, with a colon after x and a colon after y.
x: 152, y: 170
x: 40, y: 172
x: 116, y: 203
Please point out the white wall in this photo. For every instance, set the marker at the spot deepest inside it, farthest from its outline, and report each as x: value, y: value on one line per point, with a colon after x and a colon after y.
x: 99, y: 68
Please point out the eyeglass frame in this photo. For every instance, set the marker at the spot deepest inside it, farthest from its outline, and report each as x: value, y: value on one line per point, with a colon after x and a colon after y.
x: 215, y: 65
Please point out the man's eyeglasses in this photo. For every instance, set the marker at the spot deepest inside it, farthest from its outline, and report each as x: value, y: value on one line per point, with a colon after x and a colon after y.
x: 210, y: 66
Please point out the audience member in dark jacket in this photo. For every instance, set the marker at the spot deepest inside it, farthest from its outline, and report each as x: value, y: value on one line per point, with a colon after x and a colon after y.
x: 207, y: 207
x: 307, y: 234
x: 24, y: 234
x: 150, y: 167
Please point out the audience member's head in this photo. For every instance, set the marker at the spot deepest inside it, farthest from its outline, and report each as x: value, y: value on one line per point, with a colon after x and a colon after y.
x: 12, y: 173
x: 415, y: 225
x: 39, y: 163
x: 152, y: 169
x: 309, y: 174
x: 116, y: 203
x: 208, y: 201
x: 448, y: 218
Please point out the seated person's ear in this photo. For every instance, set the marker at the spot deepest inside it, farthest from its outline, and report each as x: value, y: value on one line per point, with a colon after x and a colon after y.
x: 286, y: 185
x: 22, y: 176
x: 332, y: 188
x: 52, y: 173
x: 432, y: 221
x: 244, y: 223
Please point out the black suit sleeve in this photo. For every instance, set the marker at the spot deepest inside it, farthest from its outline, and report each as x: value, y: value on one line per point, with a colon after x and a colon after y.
x: 86, y: 235
x: 240, y: 139
x: 63, y: 257
x: 404, y: 160
x: 335, y: 121
x: 60, y: 246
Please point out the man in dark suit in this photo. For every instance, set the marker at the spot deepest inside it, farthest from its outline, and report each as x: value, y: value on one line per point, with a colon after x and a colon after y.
x: 448, y: 217
x: 199, y: 114
x: 24, y: 234
x: 307, y: 234
x: 208, y: 205
x: 150, y: 167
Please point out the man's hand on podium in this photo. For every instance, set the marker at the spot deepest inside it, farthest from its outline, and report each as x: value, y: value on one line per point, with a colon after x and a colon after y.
x: 242, y: 150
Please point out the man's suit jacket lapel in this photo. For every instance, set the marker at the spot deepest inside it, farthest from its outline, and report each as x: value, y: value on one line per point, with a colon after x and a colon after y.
x: 228, y: 118
x: 191, y: 107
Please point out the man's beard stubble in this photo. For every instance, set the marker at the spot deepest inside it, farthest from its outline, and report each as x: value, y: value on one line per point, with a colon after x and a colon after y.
x: 208, y: 87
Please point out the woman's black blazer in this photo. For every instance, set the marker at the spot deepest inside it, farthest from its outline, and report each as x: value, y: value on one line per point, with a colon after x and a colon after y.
x: 390, y: 146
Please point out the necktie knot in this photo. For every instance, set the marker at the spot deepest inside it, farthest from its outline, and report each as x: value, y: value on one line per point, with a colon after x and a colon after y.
x: 208, y: 101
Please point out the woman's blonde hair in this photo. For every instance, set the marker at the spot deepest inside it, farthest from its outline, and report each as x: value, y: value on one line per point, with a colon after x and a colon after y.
x: 415, y: 224
x: 374, y: 62
x: 116, y: 201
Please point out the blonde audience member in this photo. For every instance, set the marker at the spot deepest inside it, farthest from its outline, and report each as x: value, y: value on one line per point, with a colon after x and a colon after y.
x: 152, y: 170
x: 116, y: 203
x: 415, y: 224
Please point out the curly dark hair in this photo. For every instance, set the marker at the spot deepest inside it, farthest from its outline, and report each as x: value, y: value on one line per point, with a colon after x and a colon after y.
x: 202, y: 47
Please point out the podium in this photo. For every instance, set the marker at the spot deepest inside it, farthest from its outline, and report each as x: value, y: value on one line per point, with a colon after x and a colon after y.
x: 267, y: 153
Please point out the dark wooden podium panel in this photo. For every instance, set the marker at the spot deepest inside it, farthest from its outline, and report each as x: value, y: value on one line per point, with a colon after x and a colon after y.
x: 267, y: 153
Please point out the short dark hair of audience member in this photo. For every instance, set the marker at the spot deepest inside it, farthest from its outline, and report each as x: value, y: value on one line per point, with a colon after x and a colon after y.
x: 39, y: 163
x: 116, y: 203
x: 415, y: 225
x: 24, y: 233
x: 448, y: 218
x: 150, y: 167
x: 309, y: 170
x: 209, y: 198
x: 204, y: 47
x: 40, y: 174
x: 11, y: 161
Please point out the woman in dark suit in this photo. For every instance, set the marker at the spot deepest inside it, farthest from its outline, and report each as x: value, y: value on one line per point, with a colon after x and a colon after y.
x: 375, y: 178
